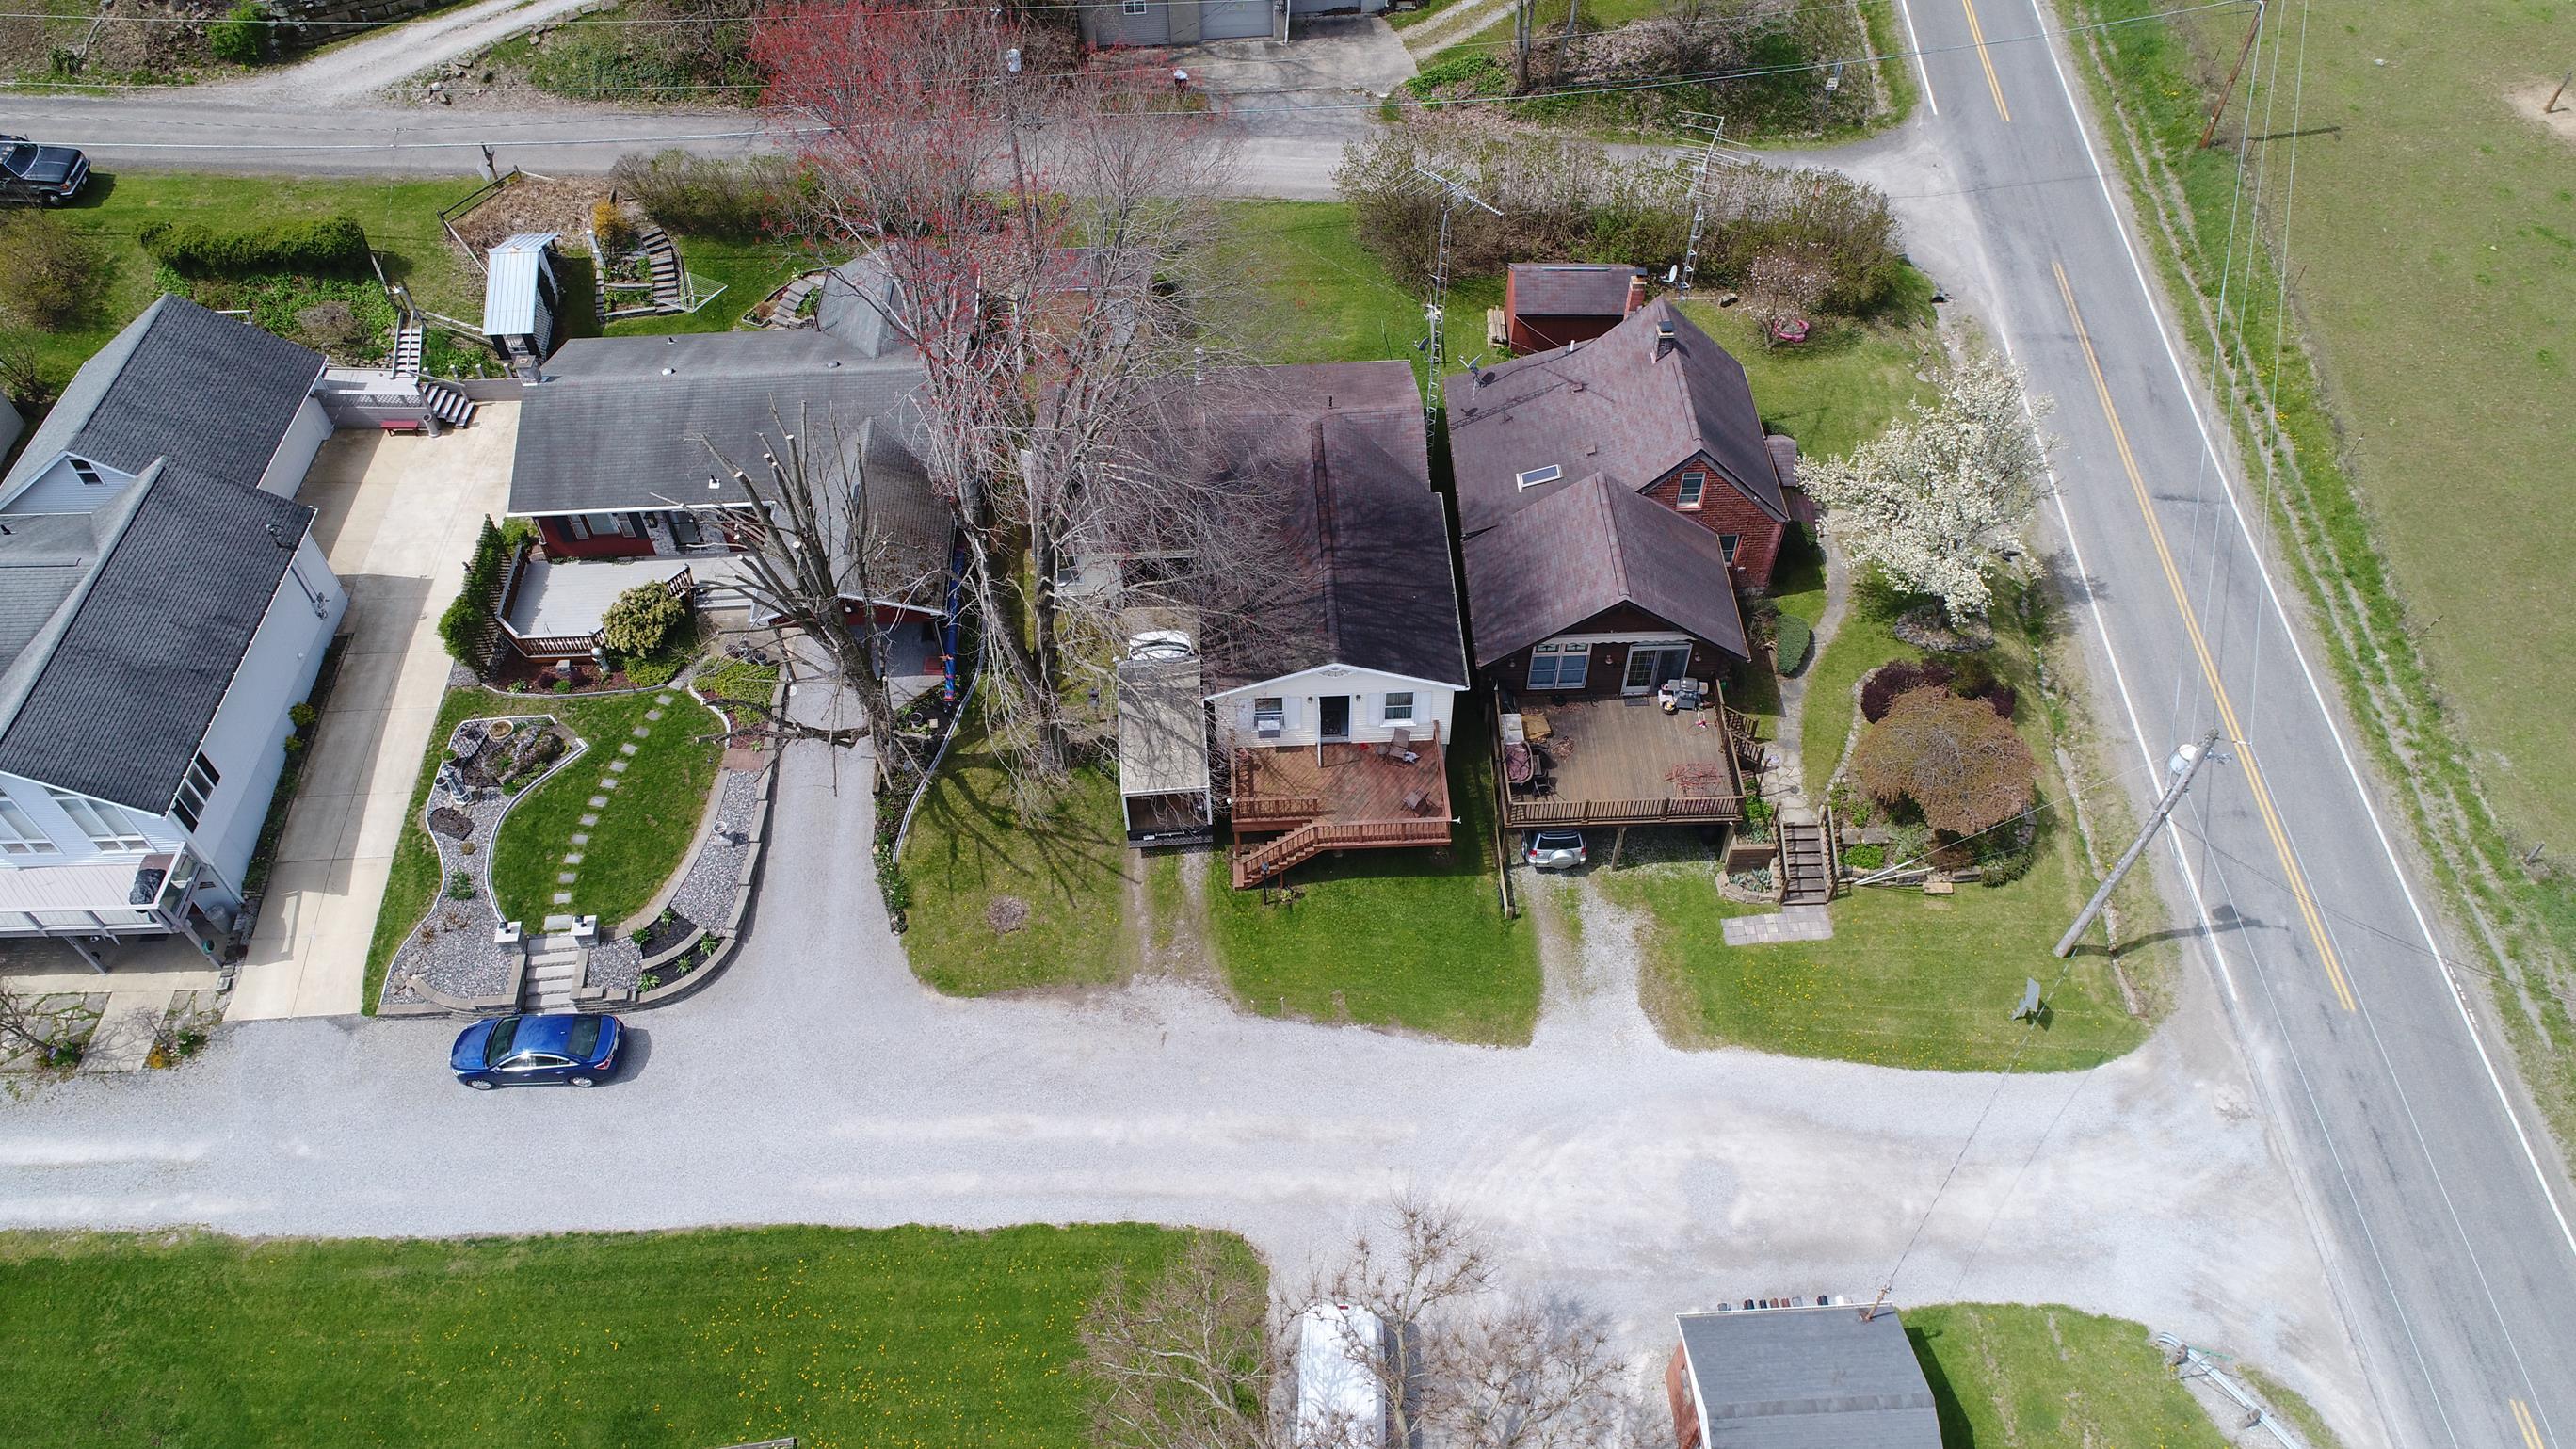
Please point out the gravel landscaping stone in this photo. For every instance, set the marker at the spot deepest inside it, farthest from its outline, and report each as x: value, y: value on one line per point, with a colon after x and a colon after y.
x: 451, y: 948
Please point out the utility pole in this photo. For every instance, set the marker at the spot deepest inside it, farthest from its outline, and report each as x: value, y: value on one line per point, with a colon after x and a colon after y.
x: 1435, y: 311
x: 2242, y: 51
x: 1715, y: 126
x: 2186, y: 762
x: 1522, y: 19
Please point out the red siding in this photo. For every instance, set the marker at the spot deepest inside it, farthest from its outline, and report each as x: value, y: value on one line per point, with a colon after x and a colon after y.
x: 1677, y: 1391
x: 1538, y: 334
x: 1723, y: 510
x: 559, y: 543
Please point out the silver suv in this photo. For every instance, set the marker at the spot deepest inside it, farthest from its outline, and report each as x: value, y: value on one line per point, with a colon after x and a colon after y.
x: 1554, y: 849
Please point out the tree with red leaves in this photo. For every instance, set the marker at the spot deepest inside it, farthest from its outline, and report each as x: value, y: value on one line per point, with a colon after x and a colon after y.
x: 1045, y: 234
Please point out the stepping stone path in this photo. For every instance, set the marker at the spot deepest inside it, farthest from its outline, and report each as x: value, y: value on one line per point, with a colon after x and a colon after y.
x: 1796, y: 923
x: 572, y: 858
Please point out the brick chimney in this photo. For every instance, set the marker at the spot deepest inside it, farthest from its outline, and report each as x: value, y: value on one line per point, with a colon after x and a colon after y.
x: 1665, y: 342
x: 1636, y: 294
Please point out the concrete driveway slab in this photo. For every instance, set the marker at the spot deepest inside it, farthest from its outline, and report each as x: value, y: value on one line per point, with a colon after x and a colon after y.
x: 398, y: 516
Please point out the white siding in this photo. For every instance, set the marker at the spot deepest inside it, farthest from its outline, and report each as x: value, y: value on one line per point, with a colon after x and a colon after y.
x: 247, y: 739
x: 304, y: 438
x: 1302, y: 695
x: 60, y: 490
x: 72, y: 844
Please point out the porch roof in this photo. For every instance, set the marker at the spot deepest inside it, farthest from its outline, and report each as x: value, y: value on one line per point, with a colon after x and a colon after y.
x: 93, y: 886
x: 559, y: 599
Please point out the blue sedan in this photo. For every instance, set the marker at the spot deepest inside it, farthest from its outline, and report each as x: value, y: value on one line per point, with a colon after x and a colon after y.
x: 525, y: 1051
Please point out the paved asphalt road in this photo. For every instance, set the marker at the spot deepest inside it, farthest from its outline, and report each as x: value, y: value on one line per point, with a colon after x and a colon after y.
x: 2444, y: 1231
x: 2444, y: 1248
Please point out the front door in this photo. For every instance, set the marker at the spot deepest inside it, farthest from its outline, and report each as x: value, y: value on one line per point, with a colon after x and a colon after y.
x: 1651, y: 664
x: 1335, y: 719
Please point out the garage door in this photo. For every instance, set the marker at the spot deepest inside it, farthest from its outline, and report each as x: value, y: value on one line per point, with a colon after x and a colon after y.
x: 1234, y: 19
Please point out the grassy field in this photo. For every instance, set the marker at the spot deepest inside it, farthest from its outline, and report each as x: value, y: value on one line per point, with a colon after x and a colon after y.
x: 904, y: 1336
x: 401, y: 218
x: 2434, y: 260
x: 1403, y: 938
x: 747, y: 270
x: 644, y: 831
x: 2052, y: 1378
x: 1907, y: 979
x: 1325, y: 299
x: 969, y: 848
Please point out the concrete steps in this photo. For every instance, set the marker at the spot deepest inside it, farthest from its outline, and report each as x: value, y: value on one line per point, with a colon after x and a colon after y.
x: 552, y: 978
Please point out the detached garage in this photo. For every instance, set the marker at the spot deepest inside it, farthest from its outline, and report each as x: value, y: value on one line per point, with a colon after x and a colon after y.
x: 1182, y: 22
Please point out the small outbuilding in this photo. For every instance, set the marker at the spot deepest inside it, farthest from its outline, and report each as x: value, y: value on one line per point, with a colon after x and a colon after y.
x: 1552, y: 304
x: 1163, y: 753
x: 522, y: 299
x: 1799, y: 1378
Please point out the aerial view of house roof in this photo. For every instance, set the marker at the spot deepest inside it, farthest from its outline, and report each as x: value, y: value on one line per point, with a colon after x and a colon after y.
x: 1629, y: 405
x: 1807, y: 1378
x: 1363, y: 535
x: 125, y: 626
x: 1585, y: 547
x: 211, y: 395
x: 1570, y: 289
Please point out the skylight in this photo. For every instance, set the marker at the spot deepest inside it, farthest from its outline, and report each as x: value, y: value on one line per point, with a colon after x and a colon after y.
x: 1536, y: 476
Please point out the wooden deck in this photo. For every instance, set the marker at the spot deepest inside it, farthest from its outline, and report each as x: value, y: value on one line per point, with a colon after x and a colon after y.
x: 1626, y: 762
x: 1338, y: 797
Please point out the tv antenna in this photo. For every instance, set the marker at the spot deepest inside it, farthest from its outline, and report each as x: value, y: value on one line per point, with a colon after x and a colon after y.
x: 1435, y: 311
x: 1715, y: 126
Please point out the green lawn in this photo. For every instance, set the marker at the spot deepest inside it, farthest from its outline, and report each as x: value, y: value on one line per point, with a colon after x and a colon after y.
x: 2052, y: 1378
x: 401, y: 218
x: 1907, y: 979
x: 1323, y: 298
x: 840, y: 1337
x: 1846, y: 383
x: 969, y: 848
x: 748, y: 271
x: 1403, y: 938
x: 644, y: 831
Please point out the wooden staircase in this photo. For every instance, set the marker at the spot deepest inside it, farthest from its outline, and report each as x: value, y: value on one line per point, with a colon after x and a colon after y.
x: 670, y: 285
x: 1271, y: 859
x: 1806, y: 870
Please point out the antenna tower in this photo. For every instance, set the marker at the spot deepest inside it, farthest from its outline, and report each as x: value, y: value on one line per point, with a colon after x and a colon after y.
x: 1452, y: 192
x: 1715, y: 126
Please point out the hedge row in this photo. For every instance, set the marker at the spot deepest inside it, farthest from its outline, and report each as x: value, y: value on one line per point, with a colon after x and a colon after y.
x: 320, y: 246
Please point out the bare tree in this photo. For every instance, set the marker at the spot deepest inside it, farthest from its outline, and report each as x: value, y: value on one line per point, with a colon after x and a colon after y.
x: 816, y: 557
x: 24, y: 1029
x: 1048, y: 319
x: 1193, y: 1360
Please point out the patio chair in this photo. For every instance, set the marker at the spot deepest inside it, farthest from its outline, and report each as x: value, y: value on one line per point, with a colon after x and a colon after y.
x: 1399, y: 743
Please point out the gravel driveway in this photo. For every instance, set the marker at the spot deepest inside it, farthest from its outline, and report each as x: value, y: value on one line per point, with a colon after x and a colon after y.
x: 818, y: 1082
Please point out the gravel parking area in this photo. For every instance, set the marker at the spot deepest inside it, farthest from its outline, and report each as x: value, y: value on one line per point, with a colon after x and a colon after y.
x: 821, y: 1083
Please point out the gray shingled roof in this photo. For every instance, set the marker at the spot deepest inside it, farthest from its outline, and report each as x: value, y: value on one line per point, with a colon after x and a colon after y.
x: 212, y: 395
x: 1364, y: 537
x: 1607, y: 406
x: 610, y: 429
x: 1809, y: 1378
x: 110, y: 693
x: 1586, y: 547
x: 858, y: 306
x: 1570, y: 289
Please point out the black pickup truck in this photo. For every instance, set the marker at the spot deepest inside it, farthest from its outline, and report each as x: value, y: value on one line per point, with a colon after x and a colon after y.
x: 43, y: 175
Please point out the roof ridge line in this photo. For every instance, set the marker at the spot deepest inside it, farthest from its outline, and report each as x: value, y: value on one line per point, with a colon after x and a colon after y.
x: 1326, y: 540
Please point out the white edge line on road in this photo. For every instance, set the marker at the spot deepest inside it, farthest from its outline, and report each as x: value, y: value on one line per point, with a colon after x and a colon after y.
x: 1922, y: 62
x: 2289, y: 631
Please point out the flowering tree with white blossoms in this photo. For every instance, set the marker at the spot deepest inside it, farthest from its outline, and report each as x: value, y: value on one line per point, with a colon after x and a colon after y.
x: 1940, y: 499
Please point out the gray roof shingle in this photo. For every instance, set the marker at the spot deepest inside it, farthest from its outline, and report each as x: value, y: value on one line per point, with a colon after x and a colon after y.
x: 1570, y: 289
x: 111, y: 692
x: 1607, y: 406
x: 1809, y: 1378
x: 212, y: 395
x: 1587, y: 546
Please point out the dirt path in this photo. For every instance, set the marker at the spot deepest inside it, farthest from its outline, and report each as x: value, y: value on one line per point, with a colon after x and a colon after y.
x: 385, y: 58
x: 1452, y: 25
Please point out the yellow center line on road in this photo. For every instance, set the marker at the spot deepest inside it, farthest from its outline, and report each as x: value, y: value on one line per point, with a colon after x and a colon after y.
x: 2530, y: 1428
x: 2290, y: 871
x: 1977, y: 33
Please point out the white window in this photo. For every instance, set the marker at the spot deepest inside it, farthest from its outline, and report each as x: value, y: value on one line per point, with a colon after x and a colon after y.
x: 1536, y: 476
x: 18, y: 832
x: 1693, y: 485
x: 201, y: 782
x: 1726, y: 543
x: 1134, y: 7
x: 107, y: 826
x: 1559, y: 666
x: 1269, y: 716
x: 1399, y: 707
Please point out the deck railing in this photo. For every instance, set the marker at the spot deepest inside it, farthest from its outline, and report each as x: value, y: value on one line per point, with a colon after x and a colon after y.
x: 1249, y: 808
x: 1266, y: 861
x: 1545, y: 811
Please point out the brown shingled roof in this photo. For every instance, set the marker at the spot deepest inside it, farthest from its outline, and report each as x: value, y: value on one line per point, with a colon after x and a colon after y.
x: 1607, y: 406
x: 1585, y: 547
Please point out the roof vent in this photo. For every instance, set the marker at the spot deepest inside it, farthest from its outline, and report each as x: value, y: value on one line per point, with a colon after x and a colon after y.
x: 1664, y: 341
x: 1575, y: 386
x: 835, y: 362
x: 670, y: 372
